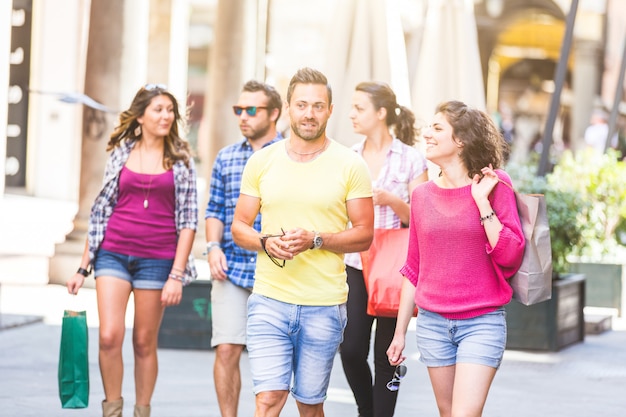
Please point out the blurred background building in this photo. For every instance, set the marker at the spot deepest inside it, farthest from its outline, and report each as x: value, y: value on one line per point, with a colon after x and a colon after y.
x: 67, y: 67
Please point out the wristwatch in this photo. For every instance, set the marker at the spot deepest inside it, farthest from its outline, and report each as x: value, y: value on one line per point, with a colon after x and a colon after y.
x: 83, y: 271
x: 317, y: 241
x: 212, y: 245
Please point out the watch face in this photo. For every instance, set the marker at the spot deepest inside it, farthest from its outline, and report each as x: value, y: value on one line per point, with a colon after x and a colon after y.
x: 317, y: 241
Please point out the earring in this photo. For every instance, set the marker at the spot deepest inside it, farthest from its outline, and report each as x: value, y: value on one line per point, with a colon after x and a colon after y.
x: 138, y: 131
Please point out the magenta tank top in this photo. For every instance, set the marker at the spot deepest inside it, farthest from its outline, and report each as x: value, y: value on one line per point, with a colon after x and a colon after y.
x: 146, y: 232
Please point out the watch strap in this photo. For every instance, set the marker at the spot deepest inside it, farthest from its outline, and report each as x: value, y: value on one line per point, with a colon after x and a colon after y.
x: 84, y: 272
x: 212, y: 245
x: 317, y: 240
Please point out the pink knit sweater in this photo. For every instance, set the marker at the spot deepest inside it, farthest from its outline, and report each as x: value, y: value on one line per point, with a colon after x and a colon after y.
x: 455, y: 270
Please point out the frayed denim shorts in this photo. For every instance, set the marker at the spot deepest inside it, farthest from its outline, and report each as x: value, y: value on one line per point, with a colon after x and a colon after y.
x: 444, y: 342
x: 289, y: 339
x: 142, y: 273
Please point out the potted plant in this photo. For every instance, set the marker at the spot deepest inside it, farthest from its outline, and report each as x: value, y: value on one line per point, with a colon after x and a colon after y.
x: 601, y: 255
x: 558, y: 322
x: 565, y: 208
x: 188, y: 325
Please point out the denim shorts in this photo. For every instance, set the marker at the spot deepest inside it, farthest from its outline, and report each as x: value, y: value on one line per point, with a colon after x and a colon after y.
x: 444, y: 342
x: 289, y: 339
x: 142, y: 273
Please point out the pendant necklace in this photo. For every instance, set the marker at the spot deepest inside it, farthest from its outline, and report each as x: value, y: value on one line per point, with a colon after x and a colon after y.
x: 289, y: 148
x: 146, y: 193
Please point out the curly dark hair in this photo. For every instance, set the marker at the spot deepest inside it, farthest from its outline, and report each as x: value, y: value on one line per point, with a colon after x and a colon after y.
x: 483, y: 144
x: 400, y: 117
x: 175, y: 147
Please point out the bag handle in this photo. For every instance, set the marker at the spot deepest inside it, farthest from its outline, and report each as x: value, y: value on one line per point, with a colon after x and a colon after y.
x: 500, y: 180
x: 74, y: 304
x: 514, y: 190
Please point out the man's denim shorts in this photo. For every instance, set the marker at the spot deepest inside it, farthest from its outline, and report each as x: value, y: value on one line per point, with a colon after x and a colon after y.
x: 286, y: 339
x: 142, y: 273
x: 444, y: 342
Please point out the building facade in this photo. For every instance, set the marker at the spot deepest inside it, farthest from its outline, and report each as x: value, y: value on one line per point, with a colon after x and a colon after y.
x: 69, y: 66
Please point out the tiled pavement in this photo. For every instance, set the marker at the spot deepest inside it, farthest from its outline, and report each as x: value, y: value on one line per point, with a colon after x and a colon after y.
x: 584, y: 380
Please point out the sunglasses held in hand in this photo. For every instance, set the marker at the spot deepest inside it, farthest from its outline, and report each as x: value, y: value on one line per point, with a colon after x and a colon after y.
x: 274, y: 260
x: 400, y: 372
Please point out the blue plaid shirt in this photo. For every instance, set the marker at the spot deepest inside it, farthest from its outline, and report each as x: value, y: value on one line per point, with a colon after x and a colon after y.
x: 223, y: 195
x: 185, y: 211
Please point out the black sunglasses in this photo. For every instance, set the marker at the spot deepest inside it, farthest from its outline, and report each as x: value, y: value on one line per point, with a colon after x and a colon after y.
x: 251, y: 110
x: 400, y: 372
x: 274, y: 260
x: 151, y: 87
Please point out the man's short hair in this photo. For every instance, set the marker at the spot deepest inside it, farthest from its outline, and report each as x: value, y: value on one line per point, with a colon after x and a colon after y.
x: 309, y: 76
x: 273, y: 98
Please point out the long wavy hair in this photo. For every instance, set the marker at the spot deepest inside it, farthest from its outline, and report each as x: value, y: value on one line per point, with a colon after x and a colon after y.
x: 175, y: 147
x: 483, y: 144
x: 401, y: 118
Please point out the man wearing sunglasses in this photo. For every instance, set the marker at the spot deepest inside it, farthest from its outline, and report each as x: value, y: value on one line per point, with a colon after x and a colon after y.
x: 232, y: 268
x: 309, y: 188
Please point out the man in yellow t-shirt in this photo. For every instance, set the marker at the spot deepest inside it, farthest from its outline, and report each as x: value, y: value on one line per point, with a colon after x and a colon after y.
x: 315, y: 198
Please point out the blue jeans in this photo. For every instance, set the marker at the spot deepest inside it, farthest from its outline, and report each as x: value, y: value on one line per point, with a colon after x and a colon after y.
x: 444, y: 342
x: 142, y: 273
x: 288, y: 339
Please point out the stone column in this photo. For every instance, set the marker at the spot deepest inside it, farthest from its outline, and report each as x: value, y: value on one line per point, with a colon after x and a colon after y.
x: 102, y: 81
x: 178, y: 44
x: 5, y: 50
x: 229, y: 68
x: 586, y: 86
x: 588, y: 51
x: 217, y: 127
x: 616, y: 16
x: 159, y: 41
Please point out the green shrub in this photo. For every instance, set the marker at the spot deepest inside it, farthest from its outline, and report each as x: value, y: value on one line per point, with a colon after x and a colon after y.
x: 586, y: 201
x: 564, y: 209
x: 601, y: 181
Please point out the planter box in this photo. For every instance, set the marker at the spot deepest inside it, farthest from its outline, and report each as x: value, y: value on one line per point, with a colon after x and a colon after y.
x: 605, y: 284
x: 188, y: 325
x: 550, y: 325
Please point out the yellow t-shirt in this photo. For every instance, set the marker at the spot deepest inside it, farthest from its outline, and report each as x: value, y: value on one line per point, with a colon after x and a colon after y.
x: 309, y: 195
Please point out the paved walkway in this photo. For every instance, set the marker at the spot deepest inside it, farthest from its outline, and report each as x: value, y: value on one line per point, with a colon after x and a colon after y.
x: 583, y: 380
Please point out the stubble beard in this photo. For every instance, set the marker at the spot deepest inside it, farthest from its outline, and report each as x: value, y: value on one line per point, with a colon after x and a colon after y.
x: 256, y: 134
x: 308, y: 136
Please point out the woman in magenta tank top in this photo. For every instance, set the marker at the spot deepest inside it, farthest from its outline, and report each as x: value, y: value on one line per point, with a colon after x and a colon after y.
x: 141, y: 230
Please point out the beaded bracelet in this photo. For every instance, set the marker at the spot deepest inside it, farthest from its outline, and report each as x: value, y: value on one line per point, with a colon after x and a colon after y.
x: 178, y: 269
x: 487, y: 217
x: 176, y: 277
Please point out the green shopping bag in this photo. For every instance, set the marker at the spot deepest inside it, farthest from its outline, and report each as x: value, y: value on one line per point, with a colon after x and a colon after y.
x: 73, y: 361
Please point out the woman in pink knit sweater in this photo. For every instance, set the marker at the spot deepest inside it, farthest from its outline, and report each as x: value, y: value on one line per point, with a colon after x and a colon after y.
x: 465, y: 242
